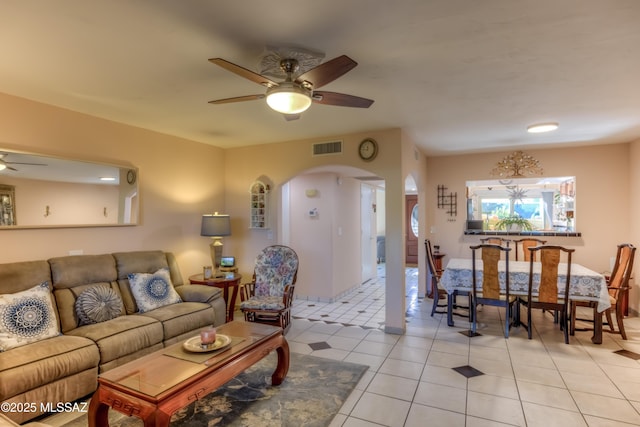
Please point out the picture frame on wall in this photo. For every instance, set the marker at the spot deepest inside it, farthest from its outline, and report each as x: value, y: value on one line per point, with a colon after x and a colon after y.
x: 7, y: 205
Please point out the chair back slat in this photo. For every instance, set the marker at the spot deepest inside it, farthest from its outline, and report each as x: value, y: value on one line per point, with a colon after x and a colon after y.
x: 548, y: 286
x: 548, y: 292
x: 525, y: 244
x: 490, y: 255
x: 490, y: 278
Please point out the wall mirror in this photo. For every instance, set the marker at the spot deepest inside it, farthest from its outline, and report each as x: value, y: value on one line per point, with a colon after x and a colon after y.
x: 40, y: 191
x: 523, y: 204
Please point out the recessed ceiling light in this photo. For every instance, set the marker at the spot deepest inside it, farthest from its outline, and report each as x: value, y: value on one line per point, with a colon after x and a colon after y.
x: 542, y: 127
x: 107, y: 178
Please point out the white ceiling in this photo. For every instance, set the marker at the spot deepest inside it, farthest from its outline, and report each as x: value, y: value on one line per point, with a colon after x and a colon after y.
x: 456, y: 75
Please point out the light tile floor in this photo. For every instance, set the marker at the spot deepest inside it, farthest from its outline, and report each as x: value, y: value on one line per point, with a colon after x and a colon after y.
x: 411, y: 379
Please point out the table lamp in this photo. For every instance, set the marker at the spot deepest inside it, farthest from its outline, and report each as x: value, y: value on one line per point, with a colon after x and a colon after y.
x: 216, y: 226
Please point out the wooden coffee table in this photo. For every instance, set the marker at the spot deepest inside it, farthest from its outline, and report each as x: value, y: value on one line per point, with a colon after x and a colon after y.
x: 156, y: 385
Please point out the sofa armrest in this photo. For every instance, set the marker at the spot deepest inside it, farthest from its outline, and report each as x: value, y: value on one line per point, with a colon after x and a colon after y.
x: 198, y: 293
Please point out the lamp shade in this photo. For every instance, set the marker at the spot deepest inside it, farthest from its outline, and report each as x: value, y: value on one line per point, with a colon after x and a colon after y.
x: 215, y: 225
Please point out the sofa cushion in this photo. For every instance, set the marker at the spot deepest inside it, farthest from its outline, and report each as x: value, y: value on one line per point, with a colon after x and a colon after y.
x: 142, y: 262
x: 178, y: 319
x: 98, y: 304
x: 72, y: 275
x: 43, y: 362
x: 20, y: 276
x: 27, y: 317
x: 122, y: 336
x: 154, y: 290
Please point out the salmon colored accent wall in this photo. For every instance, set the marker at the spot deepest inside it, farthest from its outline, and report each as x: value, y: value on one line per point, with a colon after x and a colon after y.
x: 179, y: 180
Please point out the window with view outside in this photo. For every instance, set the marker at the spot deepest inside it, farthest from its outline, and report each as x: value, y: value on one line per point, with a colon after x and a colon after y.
x: 538, y: 204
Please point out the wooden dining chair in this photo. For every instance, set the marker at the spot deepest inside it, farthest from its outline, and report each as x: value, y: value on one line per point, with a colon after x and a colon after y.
x: 439, y: 292
x: 436, y: 288
x: 618, y: 287
x: 488, y: 292
x: 547, y: 297
x: 524, y: 244
x: 496, y: 241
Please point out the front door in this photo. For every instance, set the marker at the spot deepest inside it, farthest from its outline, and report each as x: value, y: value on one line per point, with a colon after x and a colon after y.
x: 411, y: 231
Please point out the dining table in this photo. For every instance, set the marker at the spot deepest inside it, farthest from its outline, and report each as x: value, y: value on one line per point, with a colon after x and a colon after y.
x: 584, y: 285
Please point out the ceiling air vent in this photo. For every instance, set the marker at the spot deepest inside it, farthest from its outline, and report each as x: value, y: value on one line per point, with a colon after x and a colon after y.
x: 325, y: 148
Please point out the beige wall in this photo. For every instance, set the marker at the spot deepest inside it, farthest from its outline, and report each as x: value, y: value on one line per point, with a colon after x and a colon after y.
x: 179, y: 180
x: 328, y: 244
x: 280, y: 162
x: 634, y: 226
x: 603, y: 198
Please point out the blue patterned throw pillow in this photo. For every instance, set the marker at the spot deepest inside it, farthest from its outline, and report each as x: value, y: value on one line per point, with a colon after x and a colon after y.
x: 27, y: 317
x: 153, y: 291
x: 98, y: 304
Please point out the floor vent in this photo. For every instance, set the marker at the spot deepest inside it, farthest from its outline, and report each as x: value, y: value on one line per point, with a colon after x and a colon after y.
x: 325, y: 148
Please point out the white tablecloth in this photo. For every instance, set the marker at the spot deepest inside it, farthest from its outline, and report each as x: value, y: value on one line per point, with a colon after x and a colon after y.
x: 585, y: 284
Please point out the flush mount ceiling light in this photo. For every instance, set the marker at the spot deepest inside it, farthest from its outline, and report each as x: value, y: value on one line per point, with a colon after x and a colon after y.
x: 289, y: 98
x: 542, y: 127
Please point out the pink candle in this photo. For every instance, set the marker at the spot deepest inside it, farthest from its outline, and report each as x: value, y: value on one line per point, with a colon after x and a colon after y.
x: 208, y: 336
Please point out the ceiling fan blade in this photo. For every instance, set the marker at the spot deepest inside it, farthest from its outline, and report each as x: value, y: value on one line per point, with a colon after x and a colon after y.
x: 328, y: 71
x: 20, y: 163
x: 11, y: 169
x: 237, y: 99
x: 340, y: 99
x: 289, y: 117
x: 243, y: 72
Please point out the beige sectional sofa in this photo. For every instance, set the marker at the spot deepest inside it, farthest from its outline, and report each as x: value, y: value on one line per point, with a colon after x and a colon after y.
x: 64, y: 367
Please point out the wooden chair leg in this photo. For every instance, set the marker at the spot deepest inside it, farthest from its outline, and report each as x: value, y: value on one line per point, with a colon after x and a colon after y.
x: 564, y: 317
x: 436, y: 298
x: 610, y: 321
x: 506, y: 321
x: 620, y: 320
x: 572, y: 318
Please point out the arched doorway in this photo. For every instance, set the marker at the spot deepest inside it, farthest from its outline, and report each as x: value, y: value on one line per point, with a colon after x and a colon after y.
x: 330, y: 216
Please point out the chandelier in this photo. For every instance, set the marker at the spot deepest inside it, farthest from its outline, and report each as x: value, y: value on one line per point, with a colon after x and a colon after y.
x: 517, y: 165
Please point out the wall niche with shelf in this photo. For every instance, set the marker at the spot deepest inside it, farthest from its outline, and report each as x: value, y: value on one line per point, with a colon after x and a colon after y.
x: 259, y: 210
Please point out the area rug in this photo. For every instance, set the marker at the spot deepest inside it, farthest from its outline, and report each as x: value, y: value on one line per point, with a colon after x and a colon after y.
x: 311, y: 395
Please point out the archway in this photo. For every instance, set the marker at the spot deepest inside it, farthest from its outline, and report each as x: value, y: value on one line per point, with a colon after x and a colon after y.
x: 330, y: 214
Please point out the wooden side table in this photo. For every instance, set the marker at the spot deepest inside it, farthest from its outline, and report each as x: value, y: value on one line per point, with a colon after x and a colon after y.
x: 224, y: 283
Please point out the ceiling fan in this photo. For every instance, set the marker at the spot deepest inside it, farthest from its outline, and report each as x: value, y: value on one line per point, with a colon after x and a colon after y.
x: 5, y: 165
x: 296, y: 93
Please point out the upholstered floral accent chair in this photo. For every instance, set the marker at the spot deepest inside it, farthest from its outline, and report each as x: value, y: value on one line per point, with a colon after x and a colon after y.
x: 268, y: 298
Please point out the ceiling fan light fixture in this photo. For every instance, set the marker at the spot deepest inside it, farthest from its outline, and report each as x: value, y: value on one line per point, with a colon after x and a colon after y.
x: 542, y: 127
x: 2, y: 166
x: 289, y: 98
